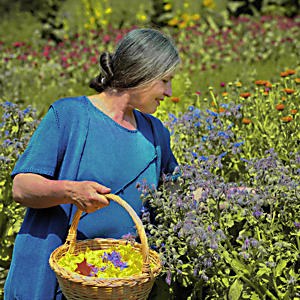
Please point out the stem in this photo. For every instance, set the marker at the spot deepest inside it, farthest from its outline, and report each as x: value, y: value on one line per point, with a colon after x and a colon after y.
x: 213, y: 97
x: 258, y: 233
x: 298, y: 242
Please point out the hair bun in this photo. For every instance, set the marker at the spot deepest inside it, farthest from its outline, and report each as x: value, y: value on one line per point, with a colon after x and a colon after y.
x: 106, y: 72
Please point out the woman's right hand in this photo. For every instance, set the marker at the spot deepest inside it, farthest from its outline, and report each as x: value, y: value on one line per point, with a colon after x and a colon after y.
x: 88, y: 196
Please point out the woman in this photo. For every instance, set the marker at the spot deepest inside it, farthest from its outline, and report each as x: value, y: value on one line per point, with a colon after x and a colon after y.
x: 86, y: 147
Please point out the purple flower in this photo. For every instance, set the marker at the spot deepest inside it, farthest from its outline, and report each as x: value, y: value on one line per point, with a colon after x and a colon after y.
x: 297, y: 224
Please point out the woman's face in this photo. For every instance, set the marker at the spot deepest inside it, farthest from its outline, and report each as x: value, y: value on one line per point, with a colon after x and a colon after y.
x: 148, y: 98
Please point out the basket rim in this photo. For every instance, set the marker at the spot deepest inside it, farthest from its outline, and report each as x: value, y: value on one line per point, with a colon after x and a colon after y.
x: 98, y: 281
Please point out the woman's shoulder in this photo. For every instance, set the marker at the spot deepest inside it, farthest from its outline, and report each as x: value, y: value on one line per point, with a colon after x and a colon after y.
x: 71, y: 103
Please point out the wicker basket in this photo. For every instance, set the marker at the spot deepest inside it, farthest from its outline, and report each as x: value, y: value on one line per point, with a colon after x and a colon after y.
x: 75, y: 286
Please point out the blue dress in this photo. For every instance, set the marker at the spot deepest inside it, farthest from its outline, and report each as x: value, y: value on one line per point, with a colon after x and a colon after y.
x: 76, y: 141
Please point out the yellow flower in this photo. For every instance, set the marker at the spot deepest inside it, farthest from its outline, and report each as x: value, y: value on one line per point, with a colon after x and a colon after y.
x: 186, y: 5
x: 92, y: 20
x: 209, y: 3
x: 261, y: 90
x: 173, y: 22
x: 182, y: 25
x: 87, y: 25
x: 108, y: 10
x: 143, y: 17
x: 103, y: 22
x: 196, y: 17
x: 66, y: 36
x: 185, y: 17
x: 167, y: 6
x: 97, y: 12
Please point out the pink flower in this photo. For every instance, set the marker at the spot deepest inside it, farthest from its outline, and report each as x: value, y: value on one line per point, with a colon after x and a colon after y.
x: 198, y: 93
x: 222, y: 84
x: 94, y: 60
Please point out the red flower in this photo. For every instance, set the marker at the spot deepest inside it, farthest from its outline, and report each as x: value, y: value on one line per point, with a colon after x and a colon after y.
x: 175, y: 99
x: 293, y: 111
x: 260, y: 82
x: 245, y: 95
x: 287, y: 119
x: 289, y: 91
x: 280, y: 106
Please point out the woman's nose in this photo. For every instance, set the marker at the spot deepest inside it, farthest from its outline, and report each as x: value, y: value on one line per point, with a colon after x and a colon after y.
x: 168, y: 90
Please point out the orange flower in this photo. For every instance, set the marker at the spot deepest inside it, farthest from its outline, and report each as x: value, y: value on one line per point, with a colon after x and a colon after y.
x: 213, y: 103
x: 289, y: 91
x: 287, y: 119
x: 297, y: 80
x: 245, y: 95
x: 268, y: 84
x: 279, y: 106
x: 238, y: 84
x: 260, y: 82
x: 225, y: 94
x: 283, y: 98
x: 175, y: 99
x: 246, y: 121
x: 294, y: 111
x: 222, y: 109
x: 290, y: 71
x: 265, y: 93
x: 284, y: 74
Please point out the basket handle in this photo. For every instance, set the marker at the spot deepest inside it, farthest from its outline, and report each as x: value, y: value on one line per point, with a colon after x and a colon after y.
x: 71, y: 238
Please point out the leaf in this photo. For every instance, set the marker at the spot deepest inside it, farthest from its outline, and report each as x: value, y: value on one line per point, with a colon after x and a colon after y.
x: 254, y: 296
x: 280, y: 266
x: 83, y: 268
x: 235, y: 290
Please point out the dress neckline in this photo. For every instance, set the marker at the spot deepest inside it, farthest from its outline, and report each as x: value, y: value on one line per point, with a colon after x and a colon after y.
x: 111, y: 120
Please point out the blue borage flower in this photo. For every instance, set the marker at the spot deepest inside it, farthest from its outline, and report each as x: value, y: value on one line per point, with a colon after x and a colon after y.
x: 229, y: 126
x: 239, y: 144
x: 212, y: 113
x: 194, y: 154
x: 223, y: 154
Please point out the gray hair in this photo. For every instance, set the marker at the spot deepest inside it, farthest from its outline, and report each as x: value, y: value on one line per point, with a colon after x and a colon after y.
x: 142, y: 56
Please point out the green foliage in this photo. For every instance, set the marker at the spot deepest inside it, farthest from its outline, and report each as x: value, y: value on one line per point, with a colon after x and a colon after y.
x: 230, y: 242
x: 15, y: 131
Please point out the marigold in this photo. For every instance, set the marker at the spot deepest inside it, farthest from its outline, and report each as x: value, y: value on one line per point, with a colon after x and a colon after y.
x: 238, y: 84
x: 287, y: 119
x: 294, y: 111
x: 246, y: 121
x: 297, y: 80
x: 268, y: 84
x: 283, y: 98
x: 265, y: 93
x: 284, y: 74
x: 225, y: 94
x: 213, y: 103
x: 175, y: 99
x: 290, y: 71
x: 260, y: 82
x: 279, y: 106
x: 289, y: 91
x: 245, y: 95
x: 222, y: 109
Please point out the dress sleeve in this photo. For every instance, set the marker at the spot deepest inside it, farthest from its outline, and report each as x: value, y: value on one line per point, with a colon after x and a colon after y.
x: 41, y: 154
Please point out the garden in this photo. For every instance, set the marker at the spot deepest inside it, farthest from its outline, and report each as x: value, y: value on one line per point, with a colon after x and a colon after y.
x: 233, y: 120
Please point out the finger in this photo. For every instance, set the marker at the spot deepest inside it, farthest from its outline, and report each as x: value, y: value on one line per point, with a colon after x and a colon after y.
x: 101, y: 188
x: 103, y: 201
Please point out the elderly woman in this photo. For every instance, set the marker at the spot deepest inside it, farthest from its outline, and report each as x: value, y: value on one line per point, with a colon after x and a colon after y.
x: 86, y: 147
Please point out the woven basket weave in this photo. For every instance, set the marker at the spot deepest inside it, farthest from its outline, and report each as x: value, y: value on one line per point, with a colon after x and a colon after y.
x: 76, y: 287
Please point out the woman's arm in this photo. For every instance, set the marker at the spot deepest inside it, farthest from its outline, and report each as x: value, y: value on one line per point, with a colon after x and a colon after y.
x: 36, y: 191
